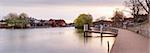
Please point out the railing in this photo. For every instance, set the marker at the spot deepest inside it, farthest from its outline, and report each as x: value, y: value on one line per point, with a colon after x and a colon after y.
x: 111, y: 29
x: 101, y: 30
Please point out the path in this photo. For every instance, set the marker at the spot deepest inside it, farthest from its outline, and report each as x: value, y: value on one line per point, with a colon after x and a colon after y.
x: 130, y: 42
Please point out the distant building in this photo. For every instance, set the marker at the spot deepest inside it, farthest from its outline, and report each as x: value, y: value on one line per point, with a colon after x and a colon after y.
x: 70, y: 25
x: 128, y: 21
x: 141, y: 18
x: 60, y: 23
x: 3, y: 24
x: 35, y: 23
x: 105, y: 23
x: 57, y: 23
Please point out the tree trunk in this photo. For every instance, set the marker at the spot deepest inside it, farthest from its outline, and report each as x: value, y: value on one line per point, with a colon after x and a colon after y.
x: 149, y: 16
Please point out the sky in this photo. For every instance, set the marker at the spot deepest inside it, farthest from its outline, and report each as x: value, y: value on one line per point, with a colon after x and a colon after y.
x: 61, y: 9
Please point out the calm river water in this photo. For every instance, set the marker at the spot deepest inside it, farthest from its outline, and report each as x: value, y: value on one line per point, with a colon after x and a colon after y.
x: 51, y: 40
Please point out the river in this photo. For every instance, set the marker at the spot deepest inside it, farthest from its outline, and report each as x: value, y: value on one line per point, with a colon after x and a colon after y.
x: 51, y: 40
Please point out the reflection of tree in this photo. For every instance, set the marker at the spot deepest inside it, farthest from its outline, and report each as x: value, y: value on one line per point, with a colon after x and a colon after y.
x: 79, y: 30
x: 86, y: 40
x: 20, y: 35
x: 80, y: 35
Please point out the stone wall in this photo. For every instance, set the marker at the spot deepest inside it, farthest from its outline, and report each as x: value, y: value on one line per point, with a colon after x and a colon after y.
x: 141, y: 29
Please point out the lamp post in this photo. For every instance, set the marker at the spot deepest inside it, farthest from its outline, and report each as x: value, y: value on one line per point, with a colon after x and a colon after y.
x: 149, y: 17
x: 149, y: 21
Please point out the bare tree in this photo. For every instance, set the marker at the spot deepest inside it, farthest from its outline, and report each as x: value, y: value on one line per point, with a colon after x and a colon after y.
x: 138, y: 7
x: 134, y: 6
x: 118, y: 18
x: 101, y: 18
x: 145, y: 4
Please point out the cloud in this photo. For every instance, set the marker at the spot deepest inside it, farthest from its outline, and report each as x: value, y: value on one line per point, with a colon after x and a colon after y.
x: 59, y: 2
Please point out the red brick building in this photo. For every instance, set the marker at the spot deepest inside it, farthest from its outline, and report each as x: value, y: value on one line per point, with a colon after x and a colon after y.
x: 57, y: 23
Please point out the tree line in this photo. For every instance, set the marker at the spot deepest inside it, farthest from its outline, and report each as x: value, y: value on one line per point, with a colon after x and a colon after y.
x: 137, y: 8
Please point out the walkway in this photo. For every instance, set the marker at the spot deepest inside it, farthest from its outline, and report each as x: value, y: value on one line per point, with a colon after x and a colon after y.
x: 130, y: 42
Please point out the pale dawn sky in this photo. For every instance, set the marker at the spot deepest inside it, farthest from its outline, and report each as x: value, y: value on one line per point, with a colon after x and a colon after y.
x: 60, y: 9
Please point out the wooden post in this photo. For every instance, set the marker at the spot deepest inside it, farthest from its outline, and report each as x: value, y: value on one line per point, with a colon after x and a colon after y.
x: 85, y: 40
x: 149, y: 15
x: 101, y: 40
x: 85, y: 29
x: 85, y: 34
x: 101, y: 28
x: 101, y: 34
x: 108, y: 46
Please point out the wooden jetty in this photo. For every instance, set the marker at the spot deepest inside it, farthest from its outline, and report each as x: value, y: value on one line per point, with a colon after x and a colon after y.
x: 113, y: 32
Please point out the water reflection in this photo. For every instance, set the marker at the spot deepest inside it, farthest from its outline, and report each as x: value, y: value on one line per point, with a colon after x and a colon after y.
x: 106, y: 42
x: 51, y: 40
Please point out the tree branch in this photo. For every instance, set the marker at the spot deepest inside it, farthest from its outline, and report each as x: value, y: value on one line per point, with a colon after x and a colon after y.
x: 148, y: 3
x: 143, y: 6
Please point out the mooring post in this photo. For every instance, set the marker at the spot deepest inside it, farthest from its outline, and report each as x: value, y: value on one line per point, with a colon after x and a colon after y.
x: 85, y: 34
x: 85, y: 29
x: 101, y: 40
x: 108, y: 46
x: 101, y: 34
x: 101, y: 28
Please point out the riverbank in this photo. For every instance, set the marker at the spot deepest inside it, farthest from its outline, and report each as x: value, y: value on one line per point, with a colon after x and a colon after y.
x: 36, y: 27
x: 141, y: 29
x: 130, y: 42
x: 48, y: 26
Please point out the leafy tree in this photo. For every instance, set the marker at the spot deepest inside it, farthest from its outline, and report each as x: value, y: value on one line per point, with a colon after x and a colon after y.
x: 23, y: 15
x: 15, y: 20
x: 83, y: 19
x: 11, y: 16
